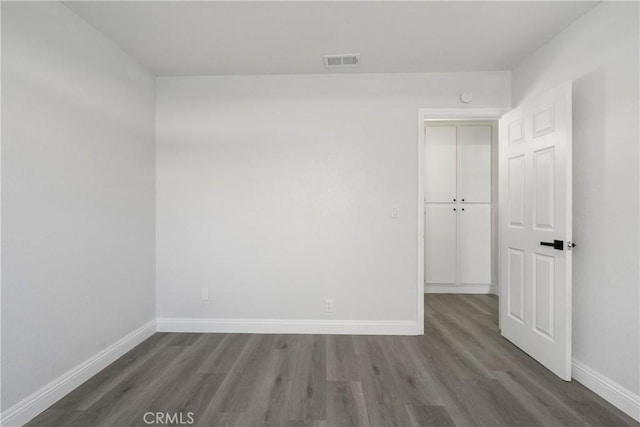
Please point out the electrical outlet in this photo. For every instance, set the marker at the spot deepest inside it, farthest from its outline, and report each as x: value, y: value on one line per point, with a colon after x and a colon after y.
x: 328, y: 306
x: 205, y: 294
x: 395, y: 211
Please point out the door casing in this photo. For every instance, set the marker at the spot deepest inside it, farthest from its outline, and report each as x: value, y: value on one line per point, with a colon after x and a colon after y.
x: 439, y: 114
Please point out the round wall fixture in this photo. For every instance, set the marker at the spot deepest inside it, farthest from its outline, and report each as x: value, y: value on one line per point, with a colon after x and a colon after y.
x: 466, y: 97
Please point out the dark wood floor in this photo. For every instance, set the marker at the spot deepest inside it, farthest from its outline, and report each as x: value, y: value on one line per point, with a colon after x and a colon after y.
x: 461, y: 372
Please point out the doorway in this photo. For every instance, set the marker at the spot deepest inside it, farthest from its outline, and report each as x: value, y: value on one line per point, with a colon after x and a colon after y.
x: 454, y: 117
x: 534, y: 238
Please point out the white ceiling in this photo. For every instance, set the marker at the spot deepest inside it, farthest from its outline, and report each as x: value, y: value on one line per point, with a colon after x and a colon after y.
x: 237, y: 37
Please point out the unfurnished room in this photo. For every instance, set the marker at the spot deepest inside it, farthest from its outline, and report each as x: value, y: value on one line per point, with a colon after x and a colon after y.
x: 320, y: 213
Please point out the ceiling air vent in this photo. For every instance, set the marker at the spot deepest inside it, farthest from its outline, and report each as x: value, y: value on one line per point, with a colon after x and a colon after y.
x: 344, y: 60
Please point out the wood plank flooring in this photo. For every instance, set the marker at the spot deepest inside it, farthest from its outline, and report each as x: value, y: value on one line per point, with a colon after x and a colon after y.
x: 461, y: 372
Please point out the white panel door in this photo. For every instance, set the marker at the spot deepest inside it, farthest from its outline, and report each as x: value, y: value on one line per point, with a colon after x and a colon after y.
x: 440, y: 164
x: 535, y: 215
x: 475, y: 243
x: 474, y: 145
x: 440, y: 243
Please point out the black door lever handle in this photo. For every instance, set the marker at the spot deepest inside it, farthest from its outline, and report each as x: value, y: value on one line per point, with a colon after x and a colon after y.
x: 556, y: 244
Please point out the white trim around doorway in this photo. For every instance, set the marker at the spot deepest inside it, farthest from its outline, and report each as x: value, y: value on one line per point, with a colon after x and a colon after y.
x: 439, y: 114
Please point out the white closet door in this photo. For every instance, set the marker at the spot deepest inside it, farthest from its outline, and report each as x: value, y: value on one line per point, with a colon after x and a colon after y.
x: 475, y: 244
x: 440, y: 164
x: 474, y: 143
x: 440, y: 243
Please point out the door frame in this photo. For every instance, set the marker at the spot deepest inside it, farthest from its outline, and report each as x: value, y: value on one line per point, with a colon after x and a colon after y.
x: 432, y: 115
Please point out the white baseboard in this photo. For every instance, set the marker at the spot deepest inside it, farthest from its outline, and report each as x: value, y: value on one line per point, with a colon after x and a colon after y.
x: 609, y: 390
x: 458, y: 289
x: 28, y: 408
x: 289, y: 326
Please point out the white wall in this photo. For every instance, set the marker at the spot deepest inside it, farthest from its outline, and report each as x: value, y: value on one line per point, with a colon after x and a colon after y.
x: 77, y: 195
x: 275, y: 192
x: 599, y: 52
